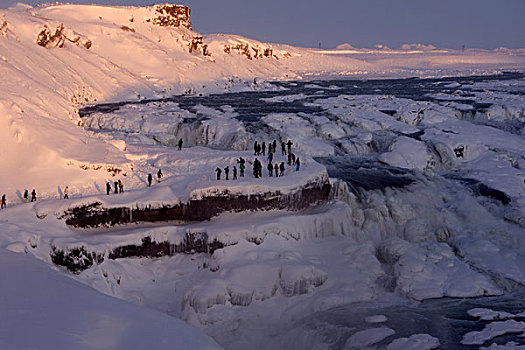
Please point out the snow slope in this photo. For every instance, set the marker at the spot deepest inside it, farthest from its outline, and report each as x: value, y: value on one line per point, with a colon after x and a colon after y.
x: 47, y: 310
x: 432, y: 238
x: 131, y: 58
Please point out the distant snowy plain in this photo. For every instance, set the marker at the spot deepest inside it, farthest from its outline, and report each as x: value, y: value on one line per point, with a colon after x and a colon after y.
x: 420, y: 246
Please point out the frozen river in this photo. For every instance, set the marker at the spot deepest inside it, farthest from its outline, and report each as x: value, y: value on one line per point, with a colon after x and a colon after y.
x: 455, y: 144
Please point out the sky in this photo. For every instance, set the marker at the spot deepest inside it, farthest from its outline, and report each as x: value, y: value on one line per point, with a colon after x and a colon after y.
x: 484, y: 24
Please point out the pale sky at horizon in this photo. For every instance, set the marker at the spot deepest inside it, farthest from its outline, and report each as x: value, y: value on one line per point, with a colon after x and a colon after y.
x: 362, y: 23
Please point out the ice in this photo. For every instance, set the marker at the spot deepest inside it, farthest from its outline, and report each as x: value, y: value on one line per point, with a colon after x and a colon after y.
x: 493, y: 330
x: 376, y: 319
x: 415, y: 342
x: 368, y: 337
x: 490, y: 315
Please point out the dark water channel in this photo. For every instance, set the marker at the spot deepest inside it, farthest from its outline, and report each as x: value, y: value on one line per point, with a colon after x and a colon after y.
x: 445, y: 319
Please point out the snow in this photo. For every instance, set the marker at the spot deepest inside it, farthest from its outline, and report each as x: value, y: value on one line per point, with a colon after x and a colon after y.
x: 414, y: 342
x: 493, y: 330
x: 368, y: 337
x: 66, y: 314
x: 433, y: 237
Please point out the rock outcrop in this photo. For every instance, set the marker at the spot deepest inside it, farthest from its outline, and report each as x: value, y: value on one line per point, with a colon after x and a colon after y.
x: 198, y: 209
x: 59, y: 36
x: 169, y: 15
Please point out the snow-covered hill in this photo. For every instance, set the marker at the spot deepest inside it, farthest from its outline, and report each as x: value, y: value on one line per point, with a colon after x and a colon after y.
x: 432, y: 205
x: 101, y: 53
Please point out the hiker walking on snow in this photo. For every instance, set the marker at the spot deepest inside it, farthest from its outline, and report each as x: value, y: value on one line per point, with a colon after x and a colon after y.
x: 33, y: 195
x: 276, y: 168
x: 218, y: 171
x: 108, y: 188
x: 289, y: 144
x: 255, y: 148
x: 297, y: 164
x: 4, y: 204
x: 226, y: 171
x: 66, y: 193
x: 283, y: 148
x: 120, y: 186
x: 270, y: 169
x: 281, y: 167
x: 159, y: 175
x: 264, y: 148
x: 234, y: 172
x: 150, y: 178
x: 180, y: 143
x: 115, y: 184
x: 26, y: 196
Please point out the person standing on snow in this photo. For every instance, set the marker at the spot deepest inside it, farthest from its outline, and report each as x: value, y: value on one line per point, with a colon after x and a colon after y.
x: 26, y: 196
x: 241, y: 167
x: 226, y: 171
x: 234, y: 172
x: 264, y: 148
x: 281, y: 167
x: 150, y: 178
x: 180, y: 143
x: 120, y: 186
x: 283, y: 148
x: 289, y: 143
x: 276, y: 168
x: 297, y: 164
x: 108, y: 188
x: 4, y: 203
x: 33, y: 195
x: 66, y: 192
x: 159, y: 175
x: 218, y: 171
x: 270, y: 169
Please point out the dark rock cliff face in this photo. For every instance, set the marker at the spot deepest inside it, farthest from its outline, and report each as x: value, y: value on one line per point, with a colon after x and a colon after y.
x: 79, y: 259
x: 95, y: 215
x: 169, y: 15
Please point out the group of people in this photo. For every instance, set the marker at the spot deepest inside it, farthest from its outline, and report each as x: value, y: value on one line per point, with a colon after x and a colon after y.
x: 33, y: 197
x: 273, y: 168
x: 118, y: 186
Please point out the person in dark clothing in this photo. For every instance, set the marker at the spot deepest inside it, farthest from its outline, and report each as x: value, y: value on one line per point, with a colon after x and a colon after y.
x: 297, y: 164
x: 241, y: 167
x: 159, y: 175
x: 226, y: 171
x: 115, y: 184
x: 274, y: 145
x: 293, y: 158
x: 289, y: 159
x: 270, y: 169
x: 234, y: 172
x: 264, y: 148
x: 180, y: 143
x: 281, y: 167
x: 120, y: 186
x: 289, y: 144
x: 4, y: 202
x: 276, y: 168
x: 255, y: 170
x: 150, y: 178
x: 255, y: 148
x: 283, y: 148
x: 218, y: 171
x: 33, y: 195
x: 108, y: 188
x: 26, y: 196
